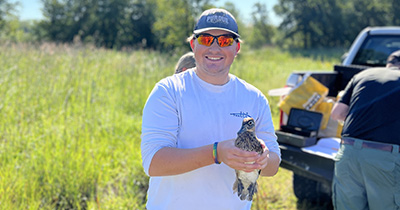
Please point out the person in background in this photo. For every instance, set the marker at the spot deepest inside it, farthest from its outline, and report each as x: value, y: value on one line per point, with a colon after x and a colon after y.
x: 190, y: 122
x: 367, y: 167
x: 187, y: 61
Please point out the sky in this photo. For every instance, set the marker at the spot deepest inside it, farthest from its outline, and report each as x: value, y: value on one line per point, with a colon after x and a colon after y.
x: 31, y: 9
x: 245, y: 8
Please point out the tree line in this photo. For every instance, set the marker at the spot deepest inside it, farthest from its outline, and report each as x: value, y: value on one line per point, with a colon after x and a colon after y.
x: 165, y: 24
x: 315, y: 23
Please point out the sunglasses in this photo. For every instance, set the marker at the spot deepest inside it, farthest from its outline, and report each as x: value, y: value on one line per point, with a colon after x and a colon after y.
x: 223, y: 40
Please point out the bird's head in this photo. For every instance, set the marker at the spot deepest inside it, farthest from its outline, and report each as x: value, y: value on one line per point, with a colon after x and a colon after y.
x: 247, y: 125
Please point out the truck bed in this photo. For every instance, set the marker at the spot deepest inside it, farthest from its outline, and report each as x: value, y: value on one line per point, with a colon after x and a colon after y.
x: 313, y: 173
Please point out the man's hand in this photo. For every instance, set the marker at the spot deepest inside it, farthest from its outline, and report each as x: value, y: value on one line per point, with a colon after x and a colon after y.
x: 239, y: 159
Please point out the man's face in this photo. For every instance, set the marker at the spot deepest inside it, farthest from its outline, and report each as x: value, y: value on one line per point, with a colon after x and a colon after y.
x: 214, y: 61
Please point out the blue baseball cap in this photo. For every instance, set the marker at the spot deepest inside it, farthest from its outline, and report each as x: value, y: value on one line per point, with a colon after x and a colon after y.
x: 216, y: 19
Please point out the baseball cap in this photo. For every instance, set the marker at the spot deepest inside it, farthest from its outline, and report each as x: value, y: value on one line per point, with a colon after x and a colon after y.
x: 216, y: 18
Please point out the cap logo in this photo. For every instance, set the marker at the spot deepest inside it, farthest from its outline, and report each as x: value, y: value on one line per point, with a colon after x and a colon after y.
x: 217, y: 19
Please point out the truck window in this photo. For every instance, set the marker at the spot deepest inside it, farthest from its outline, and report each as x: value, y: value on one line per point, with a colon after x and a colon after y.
x: 375, y: 50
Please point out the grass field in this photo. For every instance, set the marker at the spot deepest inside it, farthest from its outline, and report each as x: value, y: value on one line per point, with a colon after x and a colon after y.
x: 70, y: 121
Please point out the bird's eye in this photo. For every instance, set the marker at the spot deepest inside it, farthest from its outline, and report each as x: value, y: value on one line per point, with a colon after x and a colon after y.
x: 251, y: 122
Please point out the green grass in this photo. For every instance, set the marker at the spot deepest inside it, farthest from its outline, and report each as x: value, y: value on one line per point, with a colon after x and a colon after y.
x: 70, y: 120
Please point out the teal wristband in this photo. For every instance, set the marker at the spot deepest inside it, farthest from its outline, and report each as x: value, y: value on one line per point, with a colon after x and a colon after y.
x: 215, y: 154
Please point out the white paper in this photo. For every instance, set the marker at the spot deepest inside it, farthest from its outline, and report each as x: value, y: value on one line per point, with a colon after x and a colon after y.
x: 326, y: 147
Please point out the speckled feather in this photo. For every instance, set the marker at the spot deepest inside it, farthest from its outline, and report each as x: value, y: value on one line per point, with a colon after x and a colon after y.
x: 246, y: 183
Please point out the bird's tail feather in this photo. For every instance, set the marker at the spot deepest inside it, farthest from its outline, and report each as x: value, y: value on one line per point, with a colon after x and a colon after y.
x: 252, y: 190
x: 235, y: 186
x: 238, y: 187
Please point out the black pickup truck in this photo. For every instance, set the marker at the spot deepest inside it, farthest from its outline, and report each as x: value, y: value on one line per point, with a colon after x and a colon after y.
x: 313, y: 173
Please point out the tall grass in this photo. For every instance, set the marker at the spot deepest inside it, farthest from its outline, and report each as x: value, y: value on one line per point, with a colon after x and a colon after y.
x: 70, y: 120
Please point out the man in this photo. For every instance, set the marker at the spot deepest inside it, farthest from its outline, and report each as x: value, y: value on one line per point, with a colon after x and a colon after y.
x: 190, y: 122
x: 367, y: 168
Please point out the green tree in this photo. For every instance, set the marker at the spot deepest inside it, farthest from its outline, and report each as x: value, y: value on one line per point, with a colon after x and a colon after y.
x: 296, y: 24
x: 314, y: 23
x: 107, y: 23
x: 359, y: 14
x: 159, y: 24
x: 393, y: 12
x: 7, y: 18
x: 262, y: 31
x: 175, y: 20
x: 112, y: 21
x: 311, y: 23
x: 4, y: 8
x: 142, y: 21
x: 59, y: 19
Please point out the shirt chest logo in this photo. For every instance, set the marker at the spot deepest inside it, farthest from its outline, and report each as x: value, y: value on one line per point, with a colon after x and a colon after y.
x: 241, y: 114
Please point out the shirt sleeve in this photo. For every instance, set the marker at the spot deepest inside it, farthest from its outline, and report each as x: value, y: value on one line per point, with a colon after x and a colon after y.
x: 348, y: 91
x: 159, y: 123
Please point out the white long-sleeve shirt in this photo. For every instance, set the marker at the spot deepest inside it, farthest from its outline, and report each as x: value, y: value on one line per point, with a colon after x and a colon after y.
x: 184, y: 111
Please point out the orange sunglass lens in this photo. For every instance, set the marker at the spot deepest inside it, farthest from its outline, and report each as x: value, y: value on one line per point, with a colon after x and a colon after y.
x: 205, y: 40
x: 225, y: 41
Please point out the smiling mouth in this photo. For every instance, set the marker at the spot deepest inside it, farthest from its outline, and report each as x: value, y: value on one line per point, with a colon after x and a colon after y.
x: 214, y: 58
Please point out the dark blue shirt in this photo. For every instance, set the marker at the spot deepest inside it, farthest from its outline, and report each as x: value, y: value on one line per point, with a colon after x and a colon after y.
x: 373, y: 97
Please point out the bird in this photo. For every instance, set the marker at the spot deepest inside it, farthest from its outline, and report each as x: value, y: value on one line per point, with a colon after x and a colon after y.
x: 245, y: 184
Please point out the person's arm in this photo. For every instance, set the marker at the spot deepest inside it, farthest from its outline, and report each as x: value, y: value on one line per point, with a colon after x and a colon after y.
x: 341, y: 108
x: 339, y: 111
x: 270, y: 165
x: 173, y: 161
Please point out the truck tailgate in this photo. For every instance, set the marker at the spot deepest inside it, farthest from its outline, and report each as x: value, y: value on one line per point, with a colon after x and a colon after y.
x: 312, y: 166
